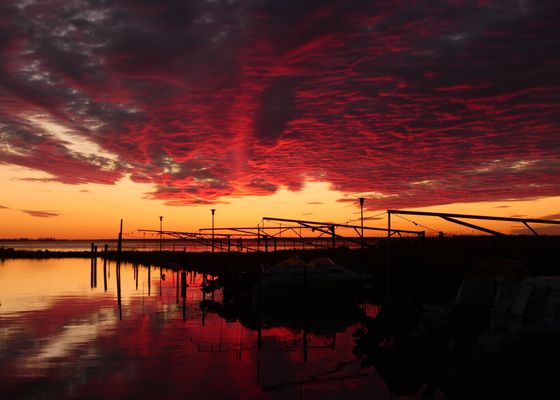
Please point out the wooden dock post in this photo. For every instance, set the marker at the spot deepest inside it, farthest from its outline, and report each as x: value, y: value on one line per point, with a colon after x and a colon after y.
x: 119, y: 251
x: 304, y: 312
x: 105, y: 268
x: 259, y: 308
x: 94, y: 266
x: 388, y: 266
x: 91, y: 266
x: 266, y: 243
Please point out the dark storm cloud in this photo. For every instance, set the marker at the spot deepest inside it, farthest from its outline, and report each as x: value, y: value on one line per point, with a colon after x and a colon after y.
x: 411, y: 103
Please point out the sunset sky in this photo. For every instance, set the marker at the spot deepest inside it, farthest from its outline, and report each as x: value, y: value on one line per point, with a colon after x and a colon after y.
x: 137, y: 108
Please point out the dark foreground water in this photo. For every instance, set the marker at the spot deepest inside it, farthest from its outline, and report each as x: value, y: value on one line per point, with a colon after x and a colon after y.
x: 62, y: 338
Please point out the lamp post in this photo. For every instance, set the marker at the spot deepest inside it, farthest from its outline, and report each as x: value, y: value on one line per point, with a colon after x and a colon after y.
x: 160, y: 233
x: 362, y: 218
x: 213, y: 211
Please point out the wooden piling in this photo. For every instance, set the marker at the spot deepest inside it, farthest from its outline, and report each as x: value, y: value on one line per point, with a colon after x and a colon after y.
x: 94, y: 266
x: 91, y: 266
x: 259, y: 308
x: 119, y: 255
x: 105, y: 268
x: 304, y: 312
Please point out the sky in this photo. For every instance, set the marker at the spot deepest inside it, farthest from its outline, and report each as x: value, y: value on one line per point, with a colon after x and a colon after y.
x: 137, y: 108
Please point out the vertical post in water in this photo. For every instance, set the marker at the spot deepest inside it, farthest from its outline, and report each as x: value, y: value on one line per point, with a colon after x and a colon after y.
x: 333, y: 237
x: 229, y: 243
x: 304, y: 312
x: 91, y: 266
x: 266, y: 243
x: 105, y: 268
x: 213, y: 244
x: 95, y: 266
x: 259, y: 237
x: 119, y: 251
x: 259, y: 307
x: 388, y: 266
x: 362, y: 220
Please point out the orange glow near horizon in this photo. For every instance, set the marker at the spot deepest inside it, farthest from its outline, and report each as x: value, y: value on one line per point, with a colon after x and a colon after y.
x: 93, y: 211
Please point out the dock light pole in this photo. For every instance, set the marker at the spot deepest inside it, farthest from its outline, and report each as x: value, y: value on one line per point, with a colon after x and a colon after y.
x: 213, y: 211
x: 160, y: 233
x: 362, y: 218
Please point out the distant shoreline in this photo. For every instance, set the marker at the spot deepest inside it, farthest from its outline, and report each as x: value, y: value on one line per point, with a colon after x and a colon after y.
x: 433, y: 265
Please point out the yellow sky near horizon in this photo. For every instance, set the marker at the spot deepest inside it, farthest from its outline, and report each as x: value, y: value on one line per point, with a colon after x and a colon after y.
x: 92, y: 211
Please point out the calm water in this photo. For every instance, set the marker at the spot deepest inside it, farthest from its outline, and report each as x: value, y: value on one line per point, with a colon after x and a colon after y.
x: 60, y: 337
x: 234, y: 244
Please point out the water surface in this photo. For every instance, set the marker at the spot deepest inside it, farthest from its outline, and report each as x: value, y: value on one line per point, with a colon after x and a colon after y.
x: 62, y: 336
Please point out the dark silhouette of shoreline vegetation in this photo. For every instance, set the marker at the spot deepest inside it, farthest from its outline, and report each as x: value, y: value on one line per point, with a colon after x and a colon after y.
x: 432, y: 267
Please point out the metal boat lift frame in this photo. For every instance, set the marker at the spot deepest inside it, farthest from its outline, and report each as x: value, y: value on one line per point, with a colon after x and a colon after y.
x: 223, y: 240
x: 457, y: 219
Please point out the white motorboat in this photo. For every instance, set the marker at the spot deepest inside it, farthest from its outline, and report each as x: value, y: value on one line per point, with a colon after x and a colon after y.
x: 293, y: 278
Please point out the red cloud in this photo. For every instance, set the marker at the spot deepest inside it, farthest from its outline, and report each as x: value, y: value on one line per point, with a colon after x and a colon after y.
x: 423, y: 104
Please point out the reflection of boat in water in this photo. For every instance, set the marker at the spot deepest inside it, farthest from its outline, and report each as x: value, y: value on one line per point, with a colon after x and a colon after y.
x: 319, y: 279
x: 282, y: 300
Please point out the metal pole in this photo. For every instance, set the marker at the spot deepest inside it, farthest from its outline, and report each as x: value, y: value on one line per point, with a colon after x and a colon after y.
x: 213, y: 211
x: 362, y: 218
x: 388, y: 267
x: 160, y: 233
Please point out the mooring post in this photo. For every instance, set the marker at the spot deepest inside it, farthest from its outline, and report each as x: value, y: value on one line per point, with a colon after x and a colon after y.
x: 105, y: 268
x: 388, y: 266
x: 91, y: 266
x: 266, y: 243
x: 94, y: 266
x: 119, y: 251
x: 136, y: 268
x: 304, y: 312
x: 333, y: 237
x: 259, y: 307
x: 229, y: 243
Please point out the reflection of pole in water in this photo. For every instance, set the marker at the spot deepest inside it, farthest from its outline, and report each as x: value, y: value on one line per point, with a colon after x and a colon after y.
x: 177, y: 288
x: 149, y: 279
x: 105, y: 269
x: 304, y: 306
x: 91, y: 267
x: 94, y: 266
x: 203, y: 285
x: 119, y: 250
x: 259, y: 308
x: 136, y: 268
x: 184, y: 293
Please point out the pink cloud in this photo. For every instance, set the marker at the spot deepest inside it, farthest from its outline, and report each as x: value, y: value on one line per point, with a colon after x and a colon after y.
x: 424, y: 104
